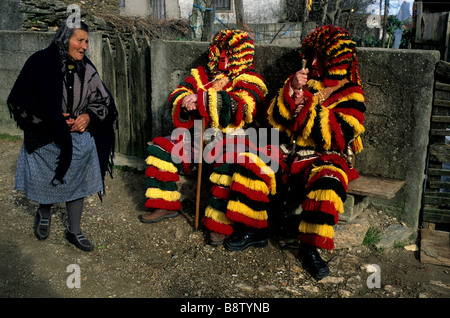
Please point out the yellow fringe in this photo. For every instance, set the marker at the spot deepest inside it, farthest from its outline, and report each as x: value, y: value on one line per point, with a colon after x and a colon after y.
x: 212, y: 105
x: 316, y: 170
x: 357, y: 145
x: 312, y: 116
x: 327, y: 195
x: 217, y: 215
x: 175, y: 102
x: 248, y: 116
x: 241, y: 208
x: 196, y: 75
x: 352, y: 121
x: 251, y: 79
x: 264, y: 168
x: 221, y: 179
x: 325, y: 128
x: 155, y: 193
x: 255, y: 185
x: 272, y: 121
x: 319, y: 229
x: 353, y: 96
x: 315, y: 84
x: 161, y: 164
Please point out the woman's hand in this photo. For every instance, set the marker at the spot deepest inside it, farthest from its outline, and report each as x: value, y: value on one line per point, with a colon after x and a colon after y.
x: 79, y: 124
x: 190, y: 102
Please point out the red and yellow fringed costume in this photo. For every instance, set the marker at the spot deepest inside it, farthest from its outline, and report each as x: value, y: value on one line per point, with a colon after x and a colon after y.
x: 324, y: 129
x: 228, y: 100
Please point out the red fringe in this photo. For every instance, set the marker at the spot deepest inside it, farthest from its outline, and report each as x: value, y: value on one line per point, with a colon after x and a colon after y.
x: 240, y: 218
x: 317, y: 241
x: 337, y: 132
x: 299, y: 166
x: 257, y: 170
x: 324, y: 173
x: 353, y: 174
x: 220, y: 192
x: 327, y: 207
x: 163, y: 204
x: 251, y: 194
x: 161, y: 175
x: 304, y: 112
x: 338, y: 160
x: 210, y: 224
x: 287, y: 97
x: 176, y: 115
x: 352, y: 112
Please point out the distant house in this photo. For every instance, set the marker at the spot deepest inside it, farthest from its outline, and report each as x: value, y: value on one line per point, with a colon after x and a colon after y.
x: 256, y: 11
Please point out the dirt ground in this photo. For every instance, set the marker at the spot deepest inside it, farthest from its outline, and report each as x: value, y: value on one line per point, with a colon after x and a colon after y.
x: 171, y: 259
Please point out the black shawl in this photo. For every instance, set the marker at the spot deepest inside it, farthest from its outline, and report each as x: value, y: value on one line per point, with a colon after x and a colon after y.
x: 35, y: 103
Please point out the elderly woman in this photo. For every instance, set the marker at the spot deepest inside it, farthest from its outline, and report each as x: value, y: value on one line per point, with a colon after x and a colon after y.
x: 67, y: 116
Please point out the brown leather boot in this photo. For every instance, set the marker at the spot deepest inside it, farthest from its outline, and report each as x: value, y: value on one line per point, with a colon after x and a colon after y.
x: 157, y: 215
x: 216, y: 238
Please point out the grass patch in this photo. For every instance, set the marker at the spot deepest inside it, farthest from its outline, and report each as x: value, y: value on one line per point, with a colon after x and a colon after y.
x: 9, y: 137
x: 372, y: 237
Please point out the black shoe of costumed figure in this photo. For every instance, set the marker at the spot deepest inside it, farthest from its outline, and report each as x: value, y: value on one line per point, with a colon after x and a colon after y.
x: 311, y: 260
x: 250, y: 237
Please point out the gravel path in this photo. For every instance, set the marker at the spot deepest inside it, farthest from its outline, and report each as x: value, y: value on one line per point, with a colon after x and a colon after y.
x: 171, y: 260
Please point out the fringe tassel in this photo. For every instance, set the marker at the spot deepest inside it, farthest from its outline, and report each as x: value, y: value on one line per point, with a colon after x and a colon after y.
x: 163, y: 204
x: 317, y: 241
x: 240, y: 218
x: 220, y: 192
x: 243, y: 209
x: 220, y: 179
x: 212, y: 225
x: 327, y: 195
x: 154, y: 193
x: 161, y: 175
x: 323, y: 230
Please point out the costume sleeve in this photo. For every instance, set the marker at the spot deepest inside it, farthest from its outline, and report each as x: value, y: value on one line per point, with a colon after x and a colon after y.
x: 332, y: 125
x: 180, y: 117
x: 236, y: 104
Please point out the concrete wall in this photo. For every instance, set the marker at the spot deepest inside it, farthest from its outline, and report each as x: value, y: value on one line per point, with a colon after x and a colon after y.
x: 15, y: 48
x: 399, y: 91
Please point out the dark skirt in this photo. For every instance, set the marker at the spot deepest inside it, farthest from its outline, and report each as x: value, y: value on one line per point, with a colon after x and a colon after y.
x: 35, y: 172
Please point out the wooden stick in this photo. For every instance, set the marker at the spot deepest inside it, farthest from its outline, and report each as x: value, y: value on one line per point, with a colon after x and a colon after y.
x: 199, y: 177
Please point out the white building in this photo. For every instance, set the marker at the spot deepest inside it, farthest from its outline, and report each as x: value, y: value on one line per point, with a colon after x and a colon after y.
x: 255, y: 11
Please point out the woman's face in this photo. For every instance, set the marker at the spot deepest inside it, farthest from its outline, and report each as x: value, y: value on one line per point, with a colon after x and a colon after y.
x: 78, y: 44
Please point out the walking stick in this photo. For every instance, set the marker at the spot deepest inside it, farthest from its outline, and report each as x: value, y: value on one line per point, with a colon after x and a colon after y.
x: 199, y: 177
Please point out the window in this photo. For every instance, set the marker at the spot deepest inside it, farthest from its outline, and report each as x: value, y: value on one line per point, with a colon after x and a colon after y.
x: 223, y: 5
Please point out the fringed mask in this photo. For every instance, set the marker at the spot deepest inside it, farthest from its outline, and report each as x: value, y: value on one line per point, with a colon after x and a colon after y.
x: 337, y: 51
x: 239, y: 49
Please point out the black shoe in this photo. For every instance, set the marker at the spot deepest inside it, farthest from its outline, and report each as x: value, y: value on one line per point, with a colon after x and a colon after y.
x: 42, y: 225
x: 312, y: 261
x: 79, y: 241
x: 252, y: 237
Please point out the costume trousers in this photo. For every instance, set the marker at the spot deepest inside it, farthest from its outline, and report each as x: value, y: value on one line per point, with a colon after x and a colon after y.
x: 325, y: 179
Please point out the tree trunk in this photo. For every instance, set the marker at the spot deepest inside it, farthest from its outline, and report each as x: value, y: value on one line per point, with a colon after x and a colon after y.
x: 208, y: 20
x: 239, y: 10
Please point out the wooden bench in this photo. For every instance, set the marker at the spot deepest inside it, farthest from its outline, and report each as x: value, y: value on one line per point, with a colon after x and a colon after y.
x: 375, y: 187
